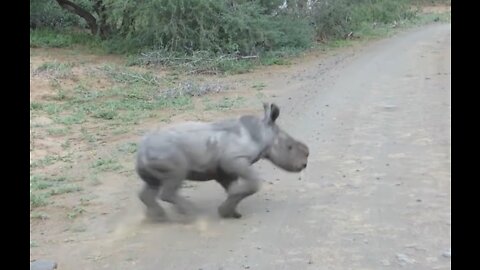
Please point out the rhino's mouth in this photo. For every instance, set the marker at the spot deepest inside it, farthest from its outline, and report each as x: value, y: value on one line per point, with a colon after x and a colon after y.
x: 297, y: 168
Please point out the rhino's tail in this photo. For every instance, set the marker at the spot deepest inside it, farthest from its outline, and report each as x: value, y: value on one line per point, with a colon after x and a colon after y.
x: 149, y: 176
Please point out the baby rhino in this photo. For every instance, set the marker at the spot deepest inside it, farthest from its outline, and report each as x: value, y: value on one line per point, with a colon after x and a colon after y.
x: 223, y: 151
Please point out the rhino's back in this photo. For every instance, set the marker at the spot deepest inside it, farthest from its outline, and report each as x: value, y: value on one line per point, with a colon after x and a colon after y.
x: 200, y: 143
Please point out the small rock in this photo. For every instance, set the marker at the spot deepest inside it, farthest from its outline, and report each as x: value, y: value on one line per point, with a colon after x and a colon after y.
x: 419, y: 200
x: 404, y: 259
x: 310, y: 261
x: 326, y: 105
x: 388, y: 164
x: 43, y: 265
x: 389, y: 107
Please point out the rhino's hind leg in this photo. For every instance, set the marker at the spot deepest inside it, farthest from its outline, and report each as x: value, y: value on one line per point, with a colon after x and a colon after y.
x: 169, y: 193
x: 148, y: 195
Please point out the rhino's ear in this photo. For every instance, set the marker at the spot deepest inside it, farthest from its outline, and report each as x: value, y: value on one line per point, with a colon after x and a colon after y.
x: 271, y: 112
x: 274, y: 112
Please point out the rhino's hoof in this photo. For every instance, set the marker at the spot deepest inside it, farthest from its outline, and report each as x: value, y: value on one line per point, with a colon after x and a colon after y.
x: 228, y: 213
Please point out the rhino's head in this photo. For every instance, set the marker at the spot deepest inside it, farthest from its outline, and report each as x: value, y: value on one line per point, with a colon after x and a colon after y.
x: 284, y: 151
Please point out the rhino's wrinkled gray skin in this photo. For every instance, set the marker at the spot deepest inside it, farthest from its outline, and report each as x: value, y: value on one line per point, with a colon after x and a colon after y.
x: 223, y: 151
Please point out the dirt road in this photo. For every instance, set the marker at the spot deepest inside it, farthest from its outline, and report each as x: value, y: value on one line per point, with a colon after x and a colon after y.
x: 375, y: 195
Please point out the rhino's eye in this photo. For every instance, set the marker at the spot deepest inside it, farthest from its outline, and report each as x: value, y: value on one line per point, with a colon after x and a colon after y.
x: 290, y: 147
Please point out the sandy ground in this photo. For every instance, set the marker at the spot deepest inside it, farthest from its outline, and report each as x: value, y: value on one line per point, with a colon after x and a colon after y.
x: 376, y: 193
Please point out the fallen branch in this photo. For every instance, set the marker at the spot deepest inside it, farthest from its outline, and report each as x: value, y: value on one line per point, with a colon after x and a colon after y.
x: 247, y: 57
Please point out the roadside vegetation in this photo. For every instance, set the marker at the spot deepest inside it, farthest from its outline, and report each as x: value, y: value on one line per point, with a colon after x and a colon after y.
x: 214, y: 36
x: 84, y: 114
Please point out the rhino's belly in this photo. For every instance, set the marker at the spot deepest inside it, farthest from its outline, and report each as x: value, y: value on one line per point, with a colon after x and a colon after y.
x: 201, y: 176
x: 213, y: 174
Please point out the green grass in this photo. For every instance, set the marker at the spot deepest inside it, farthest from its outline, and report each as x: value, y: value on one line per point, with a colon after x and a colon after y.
x: 127, y: 148
x: 61, y: 95
x: 106, y: 114
x: 57, y: 131
x: 88, y: 136
x: 39, y: 215
x: 38, y: 200
x: 259, y: 86
x: 280, y: 57
x: 135, y: 96
x: 65, y: 145
x: 427, y: 18
x: 43, y: 187
x: 41, y: 182
x: 123, y: 75
x: 47, y: 38
x: 106, y: 165
x: 94, y: 181
x: 75, y: 212
x: 224, y: 104
x: 119, y: 131
x: 51, y: 108
x: 67, y: 188
x: 71, y: 118
x: 260, y: 96
x: 58, y: 70
x: 46, y: 161
x: 85, y: 200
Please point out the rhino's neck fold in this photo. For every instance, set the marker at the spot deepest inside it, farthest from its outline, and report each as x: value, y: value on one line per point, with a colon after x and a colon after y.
x: 259, y: 132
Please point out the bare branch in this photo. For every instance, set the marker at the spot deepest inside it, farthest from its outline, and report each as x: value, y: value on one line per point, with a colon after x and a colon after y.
x: 77, y: 10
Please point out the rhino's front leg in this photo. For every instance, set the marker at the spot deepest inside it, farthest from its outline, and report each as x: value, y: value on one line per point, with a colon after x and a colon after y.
x: 226, y: 182
x: 238, y: 190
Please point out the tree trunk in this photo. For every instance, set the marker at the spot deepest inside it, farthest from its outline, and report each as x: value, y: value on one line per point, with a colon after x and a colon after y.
x: 103, y: 27
x: 72, y: 7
